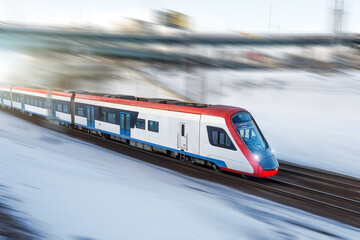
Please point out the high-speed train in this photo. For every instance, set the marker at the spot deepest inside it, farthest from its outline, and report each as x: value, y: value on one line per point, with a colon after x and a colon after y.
x: 223, y: 137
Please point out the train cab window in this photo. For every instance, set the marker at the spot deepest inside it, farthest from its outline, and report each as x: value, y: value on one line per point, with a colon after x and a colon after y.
x: 59, y: 107
x: 248, y: 131
x: 219, y: 138
x: 140, y: 123
x: 111, y: 118
x: 103, y: 116
x: 80, y: 112
x: 153, y: 126
x: 66, y: 109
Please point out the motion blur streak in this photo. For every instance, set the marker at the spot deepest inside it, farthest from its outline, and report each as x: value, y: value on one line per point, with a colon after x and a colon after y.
x: 298, y: 76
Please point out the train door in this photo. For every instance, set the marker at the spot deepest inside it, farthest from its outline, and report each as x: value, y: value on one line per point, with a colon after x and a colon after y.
x: 90, y: 117
x: 125, y: 123
x: 182, y: 137
x: 22, y: 102
x: 53, y: 108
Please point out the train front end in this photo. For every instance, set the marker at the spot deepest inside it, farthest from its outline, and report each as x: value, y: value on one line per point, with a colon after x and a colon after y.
x: 254, y: 145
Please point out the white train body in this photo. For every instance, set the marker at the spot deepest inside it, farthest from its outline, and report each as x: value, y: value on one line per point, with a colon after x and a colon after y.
x: 216, y: 135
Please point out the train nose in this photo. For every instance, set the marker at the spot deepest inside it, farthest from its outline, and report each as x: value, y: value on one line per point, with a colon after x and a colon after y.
x: 269, y: 163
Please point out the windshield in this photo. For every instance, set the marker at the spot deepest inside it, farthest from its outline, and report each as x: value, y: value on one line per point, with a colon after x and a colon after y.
x: 248, y: 131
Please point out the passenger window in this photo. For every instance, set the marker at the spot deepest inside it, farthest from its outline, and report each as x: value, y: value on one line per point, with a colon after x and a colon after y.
x: 219, y: 138
x: 153, y: 126
x: 59, y: 108
x: 31, y: 102
x: 40, y: 103
x: 66, y: 109
x: 111, y: 118
x: 227, y: 141
x: 81, y: 112
x: 36, y: 102
x: 140, y: 123
x: 215, y: 137
x: 103, y: 116
x: 222, y: 138
x: 27, y: 101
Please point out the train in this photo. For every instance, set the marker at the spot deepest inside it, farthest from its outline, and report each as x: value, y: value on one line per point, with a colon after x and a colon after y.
x: 221, y: 137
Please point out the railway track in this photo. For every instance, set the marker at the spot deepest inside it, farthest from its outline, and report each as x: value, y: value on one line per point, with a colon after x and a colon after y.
x: 319, y: 175
x: 323, y: 193
x: 328, y: 200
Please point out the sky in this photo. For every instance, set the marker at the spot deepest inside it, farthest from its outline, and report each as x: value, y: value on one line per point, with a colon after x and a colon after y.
x: 295, y: 16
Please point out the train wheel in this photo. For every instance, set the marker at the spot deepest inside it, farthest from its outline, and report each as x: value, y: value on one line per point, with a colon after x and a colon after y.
x: 216, y: 168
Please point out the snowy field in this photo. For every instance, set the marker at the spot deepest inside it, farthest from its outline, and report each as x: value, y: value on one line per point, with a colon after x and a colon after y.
x: 69, y: 189
x: 307, y: 118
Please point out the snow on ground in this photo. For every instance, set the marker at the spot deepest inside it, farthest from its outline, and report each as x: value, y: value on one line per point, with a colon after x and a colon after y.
x: 307, y: 118
x: 70, y: 189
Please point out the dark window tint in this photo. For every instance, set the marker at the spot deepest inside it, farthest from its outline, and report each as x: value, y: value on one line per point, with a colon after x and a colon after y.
x: 221, y: 138
x: 183, y: 130
x: 218, y: 137
x: 111, y: 117
x: 153, y: 126
x: 80, y: 112
x: 228, y: 141
x: 215, y: 137
x: 140, y: 123
x: 103, y: 116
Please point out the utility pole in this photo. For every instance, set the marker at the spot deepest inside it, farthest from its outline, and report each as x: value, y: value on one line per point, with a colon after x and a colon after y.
x: 337, y: 26
x: 338, y: 18
x: 270, y: 16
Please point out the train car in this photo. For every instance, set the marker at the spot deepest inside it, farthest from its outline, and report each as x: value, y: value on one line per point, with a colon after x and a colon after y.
x: 30, y: 100
x: 224, y: 137
x: 61, y: 107
x: 5, y: 96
